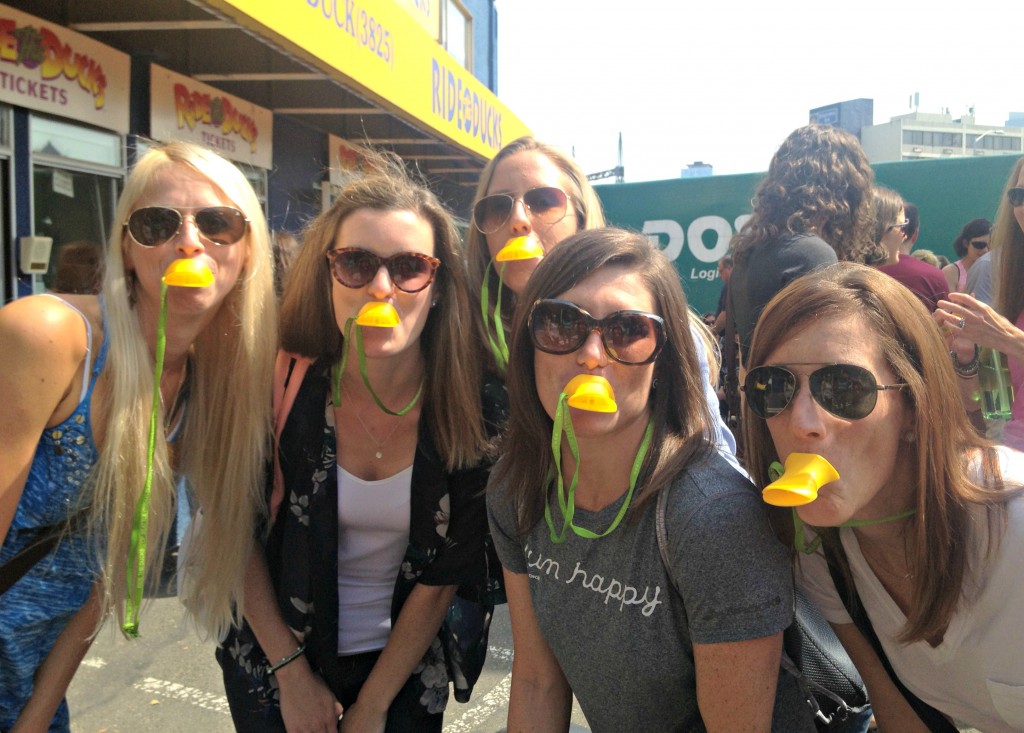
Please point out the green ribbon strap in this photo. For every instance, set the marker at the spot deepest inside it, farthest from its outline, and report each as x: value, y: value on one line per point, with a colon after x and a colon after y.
x: 495, y: 331
x: 339, y: 369
x: 567, y: 501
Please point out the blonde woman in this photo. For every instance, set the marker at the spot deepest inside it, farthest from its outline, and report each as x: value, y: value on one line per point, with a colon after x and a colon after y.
x: 77, y: 377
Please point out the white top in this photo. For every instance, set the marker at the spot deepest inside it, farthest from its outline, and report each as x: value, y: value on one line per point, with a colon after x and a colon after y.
x: 976, y: 675
x: 373, y: 533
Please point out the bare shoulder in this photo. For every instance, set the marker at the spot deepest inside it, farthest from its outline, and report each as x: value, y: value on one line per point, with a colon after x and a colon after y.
x: 44, y: 339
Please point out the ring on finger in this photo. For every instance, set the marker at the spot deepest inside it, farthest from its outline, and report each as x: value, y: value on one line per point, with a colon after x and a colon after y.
x: 962, y: 322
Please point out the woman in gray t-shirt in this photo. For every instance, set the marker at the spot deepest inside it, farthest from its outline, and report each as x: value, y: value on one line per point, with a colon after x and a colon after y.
x: 695, y: 644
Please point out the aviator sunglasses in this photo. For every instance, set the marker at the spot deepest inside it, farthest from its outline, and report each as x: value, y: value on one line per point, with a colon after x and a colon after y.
x: 410, y: 272
x: 845, y: 390
x: 629, y: 337
x: 1016, y: 196
x: 151, y: 226
x: 546, y: 204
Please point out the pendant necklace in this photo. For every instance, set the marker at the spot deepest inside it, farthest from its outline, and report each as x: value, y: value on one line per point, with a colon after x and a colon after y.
x: 379, y: 443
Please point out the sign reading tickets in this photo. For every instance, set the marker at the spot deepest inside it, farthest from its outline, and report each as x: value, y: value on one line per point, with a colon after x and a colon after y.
x: 379, y: 48
x: 182, y: 108
x: 54, y: 70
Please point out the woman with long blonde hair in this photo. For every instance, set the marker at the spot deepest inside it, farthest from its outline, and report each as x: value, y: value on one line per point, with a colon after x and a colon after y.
x: 77, y: 374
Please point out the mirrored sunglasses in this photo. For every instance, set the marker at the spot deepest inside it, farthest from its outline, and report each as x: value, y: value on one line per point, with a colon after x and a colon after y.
x: 1016, y: 196
x: 546, y: 205
x: 152, y: 226
x: 410, y: 272
x: 629, y: 337
x: 845, y: 390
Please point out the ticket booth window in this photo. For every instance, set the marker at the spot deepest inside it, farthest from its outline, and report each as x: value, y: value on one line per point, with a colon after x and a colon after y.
x: 76, y: 176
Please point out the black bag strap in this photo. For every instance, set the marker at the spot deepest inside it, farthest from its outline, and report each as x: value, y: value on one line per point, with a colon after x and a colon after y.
x: 46, y: 539
x: 932, y: 718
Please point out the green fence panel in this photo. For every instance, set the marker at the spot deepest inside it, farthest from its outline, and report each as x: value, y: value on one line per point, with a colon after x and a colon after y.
x: 693, y: 220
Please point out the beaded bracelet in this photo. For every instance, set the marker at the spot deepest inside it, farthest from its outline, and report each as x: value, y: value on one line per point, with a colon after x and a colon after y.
x: 289, y: 659
x: 971, y: 368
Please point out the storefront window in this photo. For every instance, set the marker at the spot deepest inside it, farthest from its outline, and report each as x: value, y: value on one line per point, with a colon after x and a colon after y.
x: 75, y: 209
x: 458, y: 32
x: 59, y: 139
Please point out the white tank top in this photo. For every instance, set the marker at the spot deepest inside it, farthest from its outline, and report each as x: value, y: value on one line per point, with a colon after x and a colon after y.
x: 373, y: 533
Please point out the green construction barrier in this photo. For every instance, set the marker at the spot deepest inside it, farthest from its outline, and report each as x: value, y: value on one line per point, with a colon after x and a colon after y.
x: 694, y: 219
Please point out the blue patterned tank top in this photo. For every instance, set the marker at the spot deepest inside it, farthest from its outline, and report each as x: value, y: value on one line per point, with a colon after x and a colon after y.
x: 36, y: 608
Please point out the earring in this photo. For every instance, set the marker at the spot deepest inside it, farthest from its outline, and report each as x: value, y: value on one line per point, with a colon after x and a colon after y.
x: 910, y: 437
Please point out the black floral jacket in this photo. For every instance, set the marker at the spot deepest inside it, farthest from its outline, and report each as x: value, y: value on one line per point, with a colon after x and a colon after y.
x: 448, y: 545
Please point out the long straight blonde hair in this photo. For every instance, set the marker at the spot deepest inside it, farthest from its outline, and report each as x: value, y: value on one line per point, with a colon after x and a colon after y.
x: 224, y: 443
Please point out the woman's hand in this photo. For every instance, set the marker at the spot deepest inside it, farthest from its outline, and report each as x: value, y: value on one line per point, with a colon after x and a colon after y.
x: 362, y: 719
x: 307, y: 705
x: 967, y: 318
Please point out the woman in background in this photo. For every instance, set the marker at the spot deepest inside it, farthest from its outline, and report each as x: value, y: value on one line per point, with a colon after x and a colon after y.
x: 1000, y: 328
x: 813, y: 208
x: 970, y: 244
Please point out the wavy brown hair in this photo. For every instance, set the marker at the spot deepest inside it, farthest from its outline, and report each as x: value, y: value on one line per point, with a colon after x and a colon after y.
x: 451, y: 407
x: 680, y: 415
x: 1008, y: 239
x: 945, y: 445
x: 819, y: 181
x: 887, y: 205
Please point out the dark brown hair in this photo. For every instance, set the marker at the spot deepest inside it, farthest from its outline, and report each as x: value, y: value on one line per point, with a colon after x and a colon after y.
x: 680, y: 415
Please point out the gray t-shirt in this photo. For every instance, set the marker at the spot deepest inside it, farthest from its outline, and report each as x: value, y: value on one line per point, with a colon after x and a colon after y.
x: 621, y: 633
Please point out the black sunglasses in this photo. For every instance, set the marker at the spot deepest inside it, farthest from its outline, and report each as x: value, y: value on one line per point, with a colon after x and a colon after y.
x: 546, y: 204
x: 845, y: 390
x: 410, y: 272
x: 629, y: 337
x: 1016, y: 196
x: 151, y: 226
x: 979, y: 243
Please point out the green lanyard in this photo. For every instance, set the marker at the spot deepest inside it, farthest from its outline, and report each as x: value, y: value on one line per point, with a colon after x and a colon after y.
x: 567, y: 503
x: 140, y: 522
x: 799, y: 542
x: 339, y: 369
x: 495, y: 332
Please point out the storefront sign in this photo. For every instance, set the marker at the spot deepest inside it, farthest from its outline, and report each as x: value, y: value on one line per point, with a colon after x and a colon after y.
x: 344, y: 158
x: 378, y: 46
x: 427, y: 13
x: 51, y: 69
x: 182, y: 108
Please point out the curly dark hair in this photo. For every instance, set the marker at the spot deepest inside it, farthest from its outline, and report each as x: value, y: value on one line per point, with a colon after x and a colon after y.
x: 819, y: 181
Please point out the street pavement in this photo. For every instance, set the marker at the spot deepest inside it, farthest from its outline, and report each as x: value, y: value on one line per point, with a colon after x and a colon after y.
x: 168, y: 681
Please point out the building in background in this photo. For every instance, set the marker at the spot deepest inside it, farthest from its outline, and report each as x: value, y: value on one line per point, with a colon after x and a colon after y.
x: 697, y: 169
x: 922, y: 135
x: 852, y: 115
x: 289, y: 90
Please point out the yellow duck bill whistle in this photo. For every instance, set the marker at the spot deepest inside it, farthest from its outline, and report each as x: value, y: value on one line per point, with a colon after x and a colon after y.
x: 805, y: 473
x: 589, y: 392
x: 520, y: 248
x: 378, y: 315
x: 188, y: 273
